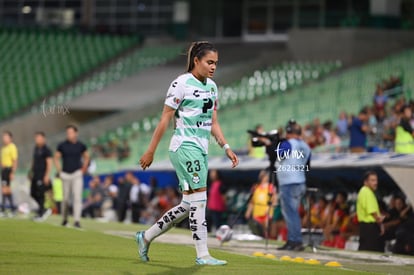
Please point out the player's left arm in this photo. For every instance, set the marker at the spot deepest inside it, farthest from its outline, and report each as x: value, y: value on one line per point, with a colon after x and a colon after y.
x: 218, y: 135
x: 46, y: 178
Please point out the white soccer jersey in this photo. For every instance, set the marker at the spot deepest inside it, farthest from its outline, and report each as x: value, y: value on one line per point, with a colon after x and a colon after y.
x: 194, y: 102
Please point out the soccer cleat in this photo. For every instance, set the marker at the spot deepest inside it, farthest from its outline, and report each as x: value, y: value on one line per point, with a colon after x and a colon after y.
x: 210, y: 261
x: 77, y: 225
x: 143, y: 246
x: 64, y: 223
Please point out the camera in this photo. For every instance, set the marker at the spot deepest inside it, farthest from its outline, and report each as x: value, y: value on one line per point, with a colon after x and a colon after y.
x: 272, y: 136
x: 272, y: 140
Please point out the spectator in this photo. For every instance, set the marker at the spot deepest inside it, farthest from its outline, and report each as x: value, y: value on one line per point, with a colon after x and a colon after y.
x: 404, y: 234
x: 334, y: 141
x: 264, y: 196
x: 404, y: 138
x: 153, y: 183
x: 173, y: 197
x: 124, y: 188
x: 75, y: 160
x: 318, y: 214
x: 293, y: 152
x: 337, y: 221
x: 278, y: 225
x: 358, y: 132
x: 394, y: 217
x: 40, y: 171
x: 9, y: 157
x: 96, y: 195
x: 318, y: 136
x: 123, y: 151
x: 342, y: 124
x: 327, y: 128
x: 370, y: 221
x: 158, y: 205
x: 216, y: 204
x: 138, y: 196
x: 110, y: 149
x: 380, y: 100
x: 111, y: 191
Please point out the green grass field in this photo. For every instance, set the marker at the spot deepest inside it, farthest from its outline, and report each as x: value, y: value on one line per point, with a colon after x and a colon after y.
x: 46, y: 248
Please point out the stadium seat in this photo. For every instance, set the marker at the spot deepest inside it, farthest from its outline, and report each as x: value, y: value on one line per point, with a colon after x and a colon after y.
x: 37, y: 62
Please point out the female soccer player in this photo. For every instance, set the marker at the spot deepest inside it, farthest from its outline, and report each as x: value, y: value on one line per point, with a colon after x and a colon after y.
x: 192, y: 100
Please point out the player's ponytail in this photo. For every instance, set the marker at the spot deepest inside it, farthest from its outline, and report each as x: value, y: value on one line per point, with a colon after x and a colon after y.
x: 198, y: 49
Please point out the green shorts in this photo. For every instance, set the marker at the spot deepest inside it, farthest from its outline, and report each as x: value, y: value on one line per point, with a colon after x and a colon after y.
x: 191, y: 166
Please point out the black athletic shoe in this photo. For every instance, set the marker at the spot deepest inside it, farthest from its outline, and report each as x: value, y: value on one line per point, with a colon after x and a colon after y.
x: 65, y: 223
x: 287, y: 246
x: 77, y: 225
x: 298, y: 247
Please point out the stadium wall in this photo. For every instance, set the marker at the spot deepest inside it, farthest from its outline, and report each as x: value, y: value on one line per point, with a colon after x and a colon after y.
x: 351, y: 46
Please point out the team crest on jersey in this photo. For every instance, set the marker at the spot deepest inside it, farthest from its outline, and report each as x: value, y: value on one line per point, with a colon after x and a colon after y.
x: 176, y: 100
x: 212, y: 91
x: 196, y: 178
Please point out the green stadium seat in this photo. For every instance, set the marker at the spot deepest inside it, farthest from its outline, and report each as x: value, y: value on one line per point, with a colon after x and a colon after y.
x: 46, y: 60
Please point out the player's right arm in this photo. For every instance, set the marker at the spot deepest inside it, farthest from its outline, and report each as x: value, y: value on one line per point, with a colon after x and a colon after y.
x: 148, y: 156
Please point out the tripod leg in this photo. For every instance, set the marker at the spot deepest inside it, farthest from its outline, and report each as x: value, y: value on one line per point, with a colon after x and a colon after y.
x: 271, y: 192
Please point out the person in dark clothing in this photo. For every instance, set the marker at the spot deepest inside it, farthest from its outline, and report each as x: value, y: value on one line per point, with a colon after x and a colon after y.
x: 40, y: 172
x: 404, y: 235
x: 358, y: 132
x: 122, y: 199
x: 138, y: 196
x: 394, y: 217
x: 75, y: 162
x: 111, y: 191
x: 95, y: 199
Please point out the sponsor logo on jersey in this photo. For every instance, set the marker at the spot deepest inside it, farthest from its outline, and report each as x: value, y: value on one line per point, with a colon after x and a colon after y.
x: 170, y: 95
x: 197, y: 93
x: 205, y: 123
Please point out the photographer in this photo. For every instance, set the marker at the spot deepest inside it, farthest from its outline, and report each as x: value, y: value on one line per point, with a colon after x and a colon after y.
x: 293, y: 155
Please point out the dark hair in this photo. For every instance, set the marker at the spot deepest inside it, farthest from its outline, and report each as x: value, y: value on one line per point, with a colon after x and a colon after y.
x: 369, y: 173
x: 71, y: 126
x: 40, y: 133
x: 292, y: 127
x: 198, y: 49
x: 364, y: 110
x: 8, y: 133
